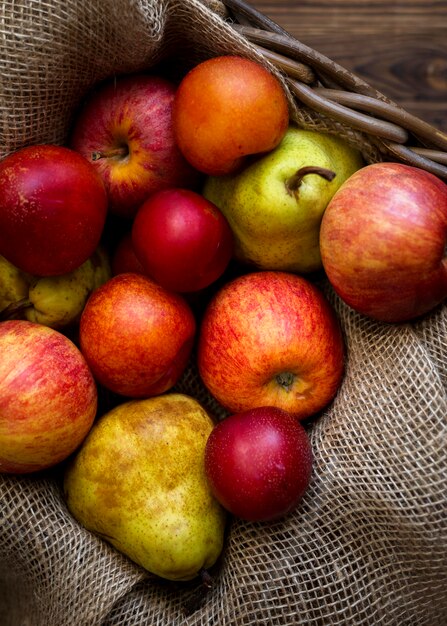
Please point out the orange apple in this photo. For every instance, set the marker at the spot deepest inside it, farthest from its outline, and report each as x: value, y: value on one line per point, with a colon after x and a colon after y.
x: 225, y: 109
x: 48, y: 397
x: 271, y: 339
x: 136, y: 336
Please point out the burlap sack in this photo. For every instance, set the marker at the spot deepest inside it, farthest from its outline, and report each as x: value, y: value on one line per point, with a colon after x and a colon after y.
x: 368, y: 544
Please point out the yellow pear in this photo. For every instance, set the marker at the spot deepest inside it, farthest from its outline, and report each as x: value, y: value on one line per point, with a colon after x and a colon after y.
x: 139, y: 482
x: 55, y: 301
x: 14, y: 285
x: 101, y: 267
x: 275, y: 205
x: 58, y: 301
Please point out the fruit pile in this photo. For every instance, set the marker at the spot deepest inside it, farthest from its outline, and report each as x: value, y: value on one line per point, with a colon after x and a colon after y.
x: 193, y: 222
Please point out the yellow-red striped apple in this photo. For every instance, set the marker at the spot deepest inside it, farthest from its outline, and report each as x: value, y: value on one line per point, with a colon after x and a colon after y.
x: 48, y: 397
x: 383, y: 242
x: 270, y: 338
x: 124, y: 129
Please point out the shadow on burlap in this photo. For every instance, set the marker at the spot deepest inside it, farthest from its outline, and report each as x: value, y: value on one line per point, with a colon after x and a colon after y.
x: 368, y: 544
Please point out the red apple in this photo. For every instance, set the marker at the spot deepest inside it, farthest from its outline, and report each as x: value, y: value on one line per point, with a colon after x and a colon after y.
x: 258, y: 463
x: 383, y: 241
x: 48, y: 397
x: 125, y: 130
x: 182, y: 240
x: 136, y: 336
x: 53, y: 208
x: 124, y: 258
x: 227, y: 108
x: 271, y: 339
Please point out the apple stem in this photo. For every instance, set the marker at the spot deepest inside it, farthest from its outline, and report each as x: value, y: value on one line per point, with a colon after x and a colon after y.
x: 286, y: 380
x: 293, y: 183
x: 113, y: 152
x: 14, y: 308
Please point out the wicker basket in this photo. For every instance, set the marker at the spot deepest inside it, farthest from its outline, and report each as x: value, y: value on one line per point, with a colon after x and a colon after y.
x: 324, y: 88
x: 368, y: 544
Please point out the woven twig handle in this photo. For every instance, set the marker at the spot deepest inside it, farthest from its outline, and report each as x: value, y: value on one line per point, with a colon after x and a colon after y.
x: 328, y: 88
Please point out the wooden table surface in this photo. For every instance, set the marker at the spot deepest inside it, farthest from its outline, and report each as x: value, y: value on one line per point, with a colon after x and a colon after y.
x: 398, y: 46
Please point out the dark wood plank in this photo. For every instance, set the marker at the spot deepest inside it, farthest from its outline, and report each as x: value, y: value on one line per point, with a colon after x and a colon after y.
x: 398, y: 46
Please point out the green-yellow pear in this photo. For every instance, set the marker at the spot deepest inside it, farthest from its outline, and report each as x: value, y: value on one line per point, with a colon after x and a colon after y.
x: 139, y: 482
x: 275, y: 205
x: 58, y: 301
x: 55, y: 301
x: 14, y: 285
x: 102, y: 271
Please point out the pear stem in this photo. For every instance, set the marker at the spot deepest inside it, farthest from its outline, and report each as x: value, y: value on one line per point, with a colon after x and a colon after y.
x: 200, y: 593
x: 9, y: 312
x: 206, y: 578
x: 122, y: 151
x: 293, y: 183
